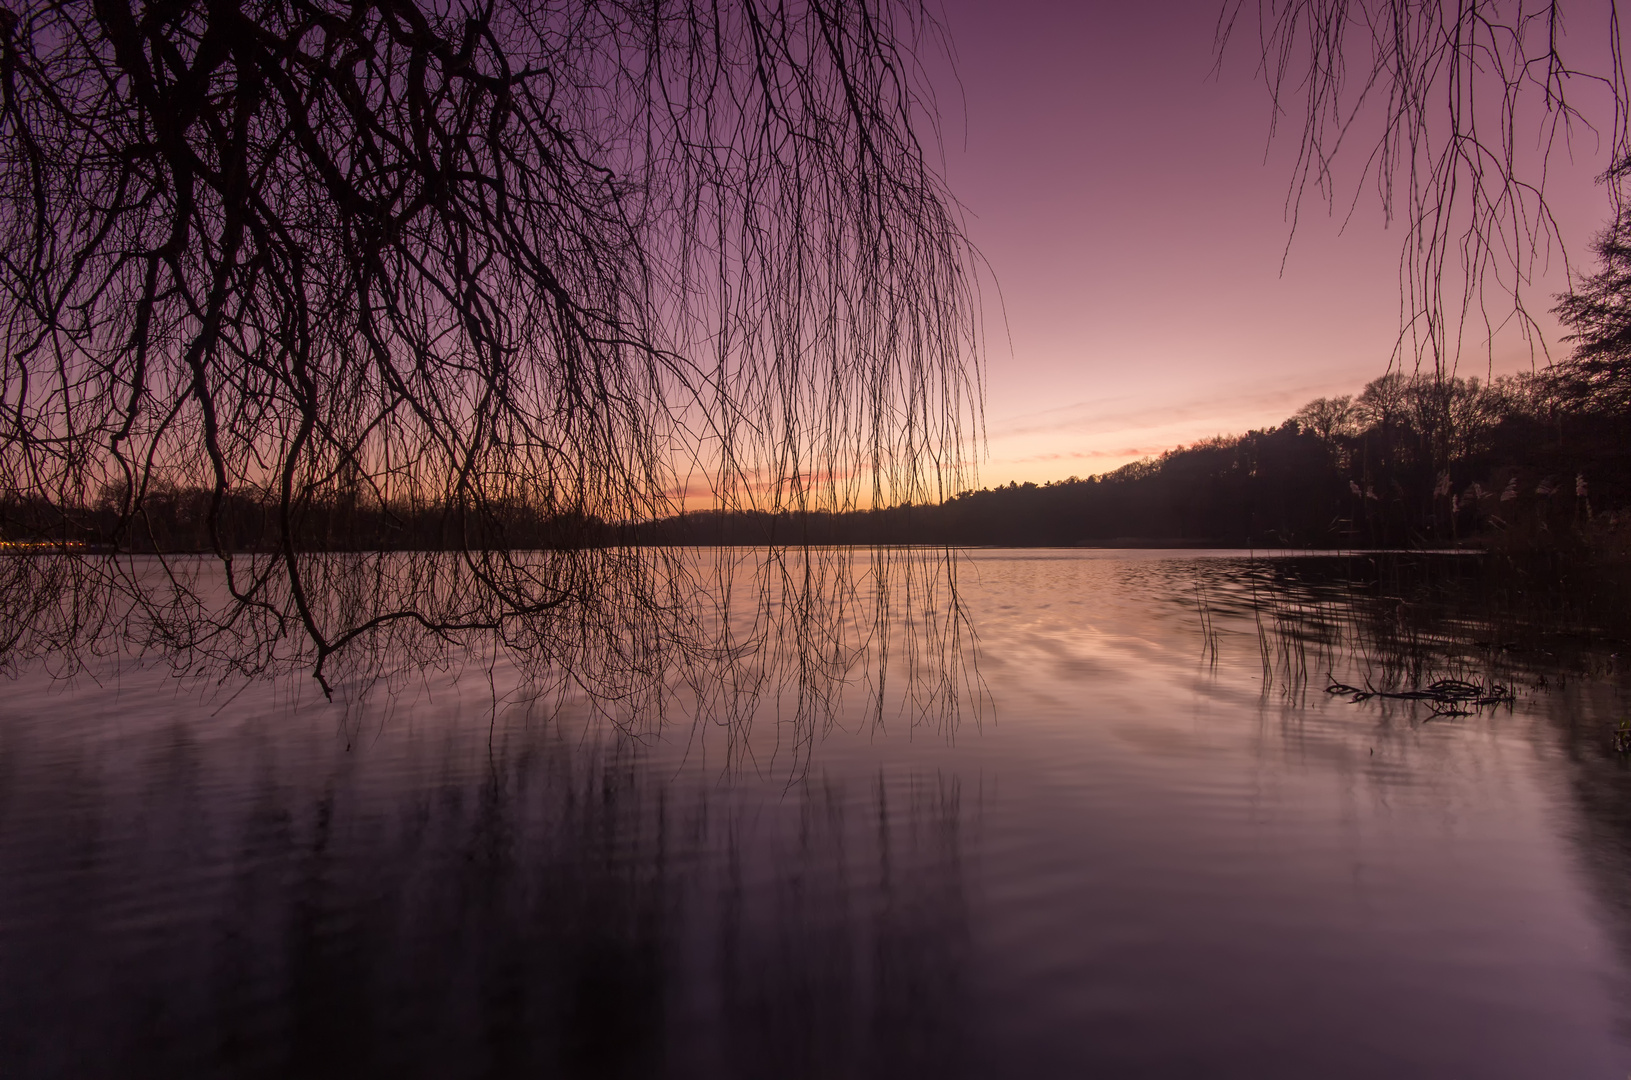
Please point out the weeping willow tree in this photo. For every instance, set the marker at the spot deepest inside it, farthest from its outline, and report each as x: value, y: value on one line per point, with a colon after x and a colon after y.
x: 502, y: 266
x: 1450, y: 114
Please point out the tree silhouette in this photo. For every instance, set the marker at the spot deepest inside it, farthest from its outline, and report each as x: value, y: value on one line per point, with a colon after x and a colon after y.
x: 1328, y: 417
x: 483, y: 260
x: 1598, y: 310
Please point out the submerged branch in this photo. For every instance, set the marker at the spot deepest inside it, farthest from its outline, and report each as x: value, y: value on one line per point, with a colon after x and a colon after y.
x: 1449, y: 697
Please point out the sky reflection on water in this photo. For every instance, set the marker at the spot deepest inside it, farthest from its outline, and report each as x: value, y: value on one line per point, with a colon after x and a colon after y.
x: 1151, y: 854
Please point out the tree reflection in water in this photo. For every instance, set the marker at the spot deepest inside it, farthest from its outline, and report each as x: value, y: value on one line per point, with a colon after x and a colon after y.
x: 498, y: 869
x: 645, y: 636
x: 262, y: 901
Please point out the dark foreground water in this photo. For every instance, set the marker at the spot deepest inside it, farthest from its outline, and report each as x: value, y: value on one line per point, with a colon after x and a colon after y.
x: 1157, y: 848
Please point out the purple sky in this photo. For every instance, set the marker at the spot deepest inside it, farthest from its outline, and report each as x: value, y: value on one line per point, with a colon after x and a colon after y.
x: 1133, y: 213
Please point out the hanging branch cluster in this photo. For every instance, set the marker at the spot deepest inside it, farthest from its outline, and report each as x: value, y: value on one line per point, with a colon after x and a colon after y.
x: 462, y: 274
x: 1455, y: 108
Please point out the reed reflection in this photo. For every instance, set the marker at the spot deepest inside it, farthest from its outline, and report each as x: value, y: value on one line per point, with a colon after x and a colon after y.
x: 1553, y: 629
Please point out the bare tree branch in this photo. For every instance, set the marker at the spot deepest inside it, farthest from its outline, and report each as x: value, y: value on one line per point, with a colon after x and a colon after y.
x: 1453, y: 110
x: 513, y: 266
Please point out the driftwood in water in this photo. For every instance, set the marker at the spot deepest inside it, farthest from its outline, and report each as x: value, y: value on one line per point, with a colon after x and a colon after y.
x: 1447, y: 697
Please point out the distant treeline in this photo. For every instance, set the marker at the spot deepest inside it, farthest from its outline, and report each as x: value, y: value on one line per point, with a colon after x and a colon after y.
x: 1410, y: 461
x: 173, y: 518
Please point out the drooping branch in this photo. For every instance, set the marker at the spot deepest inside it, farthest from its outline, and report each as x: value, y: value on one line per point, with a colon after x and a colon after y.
x: 526, y: 261
x: 1452, y: 111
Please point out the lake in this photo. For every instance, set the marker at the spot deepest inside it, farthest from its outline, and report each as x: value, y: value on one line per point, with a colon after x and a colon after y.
x: 1105, y: 822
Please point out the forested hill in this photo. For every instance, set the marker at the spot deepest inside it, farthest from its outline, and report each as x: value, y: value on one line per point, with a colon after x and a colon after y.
x: 1410, y: 461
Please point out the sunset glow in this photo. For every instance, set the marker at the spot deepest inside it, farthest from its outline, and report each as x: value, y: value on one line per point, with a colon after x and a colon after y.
x: 1134, y: 214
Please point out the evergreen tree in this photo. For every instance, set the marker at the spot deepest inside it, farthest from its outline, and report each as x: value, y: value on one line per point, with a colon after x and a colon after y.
x: 1597, y: 375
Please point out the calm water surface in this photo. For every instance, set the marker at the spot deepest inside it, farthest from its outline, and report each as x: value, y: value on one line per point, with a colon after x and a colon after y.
x: 1153, y: 849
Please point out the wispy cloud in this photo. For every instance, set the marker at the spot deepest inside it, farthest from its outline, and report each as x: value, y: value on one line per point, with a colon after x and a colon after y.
x: 1124, y: 413
x: 1089, y: 455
